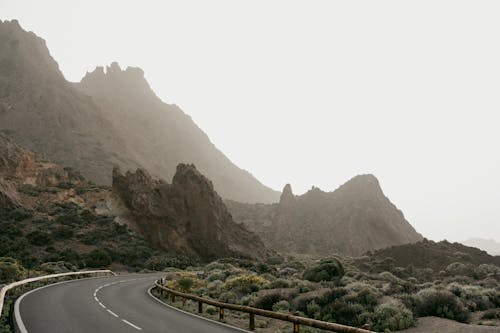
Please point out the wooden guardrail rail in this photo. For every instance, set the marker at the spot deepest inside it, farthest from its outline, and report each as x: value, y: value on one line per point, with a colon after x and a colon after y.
x: 296, y: 320
x: 6, y: 288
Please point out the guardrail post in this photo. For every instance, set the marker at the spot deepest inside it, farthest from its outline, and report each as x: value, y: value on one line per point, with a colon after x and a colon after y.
x: 183, y: 302
x: 172, y: 298
x: 200, y: 307
x: 252, y: 322
x: 221, y: 313
x: 296, y: 328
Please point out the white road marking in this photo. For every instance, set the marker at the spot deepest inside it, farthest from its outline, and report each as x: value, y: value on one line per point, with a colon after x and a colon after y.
x: 102, y: 305
x: 134, y: 326
x: 112, y: 313
x: 96, y: 299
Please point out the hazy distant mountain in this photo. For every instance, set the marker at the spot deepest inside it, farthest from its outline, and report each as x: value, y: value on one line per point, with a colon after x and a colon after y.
x: 488, y: 245
x: 108, y: 119
x: 355, y: 218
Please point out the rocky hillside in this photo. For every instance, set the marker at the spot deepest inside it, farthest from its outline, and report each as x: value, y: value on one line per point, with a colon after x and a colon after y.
x: 49, y: 213
x: 186, y: 216
x: 355, y: 218
x: 428, y: 254
x: 110, y: 118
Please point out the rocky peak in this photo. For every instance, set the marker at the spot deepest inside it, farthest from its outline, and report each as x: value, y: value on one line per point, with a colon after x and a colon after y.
x: 23, y: 54
x: 114, y: 80
x: 287, y: 197
x: 186, y: 217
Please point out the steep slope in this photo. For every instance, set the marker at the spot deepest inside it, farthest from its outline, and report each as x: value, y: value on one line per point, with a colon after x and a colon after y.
x: 42, y: 111
x: 49, y: 220
x: 51, y: 213
x: 355, y: 218
x: 160, y: 136
x: 186, y: 216
x: 122, y: 122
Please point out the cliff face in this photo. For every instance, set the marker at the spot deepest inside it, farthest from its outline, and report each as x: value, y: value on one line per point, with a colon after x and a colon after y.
x: 110, y: 118
x: 186, y: 216
x: 355, y: 218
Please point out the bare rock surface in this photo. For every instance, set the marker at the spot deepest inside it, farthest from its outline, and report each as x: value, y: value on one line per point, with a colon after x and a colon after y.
x: 186, y: 216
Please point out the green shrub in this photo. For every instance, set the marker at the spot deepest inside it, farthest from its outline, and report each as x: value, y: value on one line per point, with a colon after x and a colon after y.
x: 228, y: 297
x: 391, y: 317
x: 281, y: 306
x: 63, y: 232
x: 327, y: 270
x: 185, y: 284
x: 211, y: 310
x: 39, y: 238
x: 10, y: 270
x: 491, y: 314
x: 440, y: 303
x: 268, y: 300
x: 98, y: 258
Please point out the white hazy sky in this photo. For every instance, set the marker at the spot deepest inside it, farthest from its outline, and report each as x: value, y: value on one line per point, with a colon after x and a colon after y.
x: 315, y: 92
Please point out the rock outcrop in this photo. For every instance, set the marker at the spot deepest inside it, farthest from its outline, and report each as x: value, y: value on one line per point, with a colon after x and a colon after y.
x: 355, y: 218
x: 24, y: 166
x: 111, y: 118
x: 9, y: 198
x: 186, y: 216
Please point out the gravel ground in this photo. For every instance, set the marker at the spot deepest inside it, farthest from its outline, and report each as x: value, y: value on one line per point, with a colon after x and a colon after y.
x: 441, y: 325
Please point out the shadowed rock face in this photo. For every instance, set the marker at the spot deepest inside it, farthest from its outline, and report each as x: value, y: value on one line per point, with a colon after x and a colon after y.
x: 186, y: 216
x: 355, y: 218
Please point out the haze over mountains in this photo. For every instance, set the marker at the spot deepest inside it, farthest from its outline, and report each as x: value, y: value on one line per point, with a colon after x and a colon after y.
x: 112, y: 117
x: 122, y: 122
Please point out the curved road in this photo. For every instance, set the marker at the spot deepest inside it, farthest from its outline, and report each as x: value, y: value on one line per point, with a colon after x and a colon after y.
x: 108, y: 304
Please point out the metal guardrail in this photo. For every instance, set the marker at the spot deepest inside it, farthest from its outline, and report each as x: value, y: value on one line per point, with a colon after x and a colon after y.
x: 296, y: 320
x: 6, y: 288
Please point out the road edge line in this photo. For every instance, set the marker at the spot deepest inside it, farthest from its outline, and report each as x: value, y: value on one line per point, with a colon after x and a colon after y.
x: 18, y: 321
x: 195, y: 315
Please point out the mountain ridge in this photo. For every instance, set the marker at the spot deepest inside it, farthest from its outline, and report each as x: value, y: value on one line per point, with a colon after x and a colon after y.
x: 75, y: 124
x: 355, y: 218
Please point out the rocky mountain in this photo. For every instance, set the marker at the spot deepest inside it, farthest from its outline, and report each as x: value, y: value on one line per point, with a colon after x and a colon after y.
x: 110, y: 118
x: 40, y: 110
x: 355, y: 218
x: 186, y: 216
x: 488, y: 245
x: 50, y: 213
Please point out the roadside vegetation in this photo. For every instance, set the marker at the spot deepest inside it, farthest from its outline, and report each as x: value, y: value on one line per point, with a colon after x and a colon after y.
x: 337, y: 290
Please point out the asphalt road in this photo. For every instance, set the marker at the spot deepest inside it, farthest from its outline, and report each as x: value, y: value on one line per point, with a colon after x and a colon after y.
x: 109, y: 304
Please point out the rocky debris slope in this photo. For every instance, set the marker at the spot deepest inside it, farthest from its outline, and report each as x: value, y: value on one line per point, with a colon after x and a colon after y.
x: 186, y: 216
x: 355, y: 218
x: 110, y: 118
